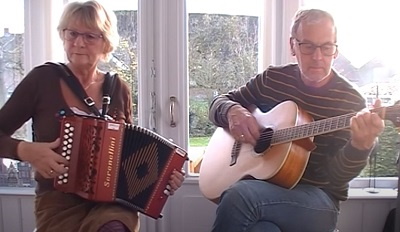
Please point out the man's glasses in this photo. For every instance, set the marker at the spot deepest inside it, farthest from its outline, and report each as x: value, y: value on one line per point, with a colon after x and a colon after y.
x: 309, y: 48
x: 88, y: 38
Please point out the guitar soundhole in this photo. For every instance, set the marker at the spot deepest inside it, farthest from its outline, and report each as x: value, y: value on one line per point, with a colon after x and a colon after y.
x: 264, y: 142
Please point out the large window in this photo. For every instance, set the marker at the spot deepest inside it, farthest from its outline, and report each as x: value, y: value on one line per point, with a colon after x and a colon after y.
x: 223, y: 44
x: 124, y: 62
x: 225, y: 49
x: 11, y: 73
x: 368, y: 57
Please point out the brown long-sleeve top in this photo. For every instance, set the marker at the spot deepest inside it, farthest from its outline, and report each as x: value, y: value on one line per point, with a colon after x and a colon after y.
x: 39, y: 97
x: 334, y: 162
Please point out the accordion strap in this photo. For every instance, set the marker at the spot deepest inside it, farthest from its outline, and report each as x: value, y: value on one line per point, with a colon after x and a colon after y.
x: 76, y: 87
x: 108, y: 90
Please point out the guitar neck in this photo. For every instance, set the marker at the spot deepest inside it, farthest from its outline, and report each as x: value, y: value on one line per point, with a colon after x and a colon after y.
x: 328, y: 125
x: 312, y: 129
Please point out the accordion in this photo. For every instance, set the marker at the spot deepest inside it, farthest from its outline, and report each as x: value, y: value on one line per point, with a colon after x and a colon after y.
x: 117, y: 162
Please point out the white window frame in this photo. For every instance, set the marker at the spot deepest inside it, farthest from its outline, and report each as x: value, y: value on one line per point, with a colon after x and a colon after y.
x: 163, y: 52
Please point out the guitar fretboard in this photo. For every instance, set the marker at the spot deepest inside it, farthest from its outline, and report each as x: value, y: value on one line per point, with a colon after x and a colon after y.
x: 328, y: 125
x: 311, y: 129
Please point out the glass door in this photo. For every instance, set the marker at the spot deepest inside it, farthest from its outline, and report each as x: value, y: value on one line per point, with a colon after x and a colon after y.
x: 223, y: 53
x: 12, y: 173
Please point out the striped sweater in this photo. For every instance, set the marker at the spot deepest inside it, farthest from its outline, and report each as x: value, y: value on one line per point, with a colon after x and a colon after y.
x: 334, y: 162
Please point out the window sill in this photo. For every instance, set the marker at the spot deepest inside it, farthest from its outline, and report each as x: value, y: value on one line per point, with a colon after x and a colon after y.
x: 377, y: 193
x: 386, y: 188
x: 17, y: 191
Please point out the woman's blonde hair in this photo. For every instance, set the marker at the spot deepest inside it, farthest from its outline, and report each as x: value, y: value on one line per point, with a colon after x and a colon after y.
x: 95, y: 16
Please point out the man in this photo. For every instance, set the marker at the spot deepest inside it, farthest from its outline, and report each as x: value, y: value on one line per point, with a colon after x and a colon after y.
x: 313, y: 204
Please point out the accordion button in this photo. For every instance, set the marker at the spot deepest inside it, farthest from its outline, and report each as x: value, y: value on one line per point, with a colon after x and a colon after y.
x: 59, y: 182
x: 68, y: 157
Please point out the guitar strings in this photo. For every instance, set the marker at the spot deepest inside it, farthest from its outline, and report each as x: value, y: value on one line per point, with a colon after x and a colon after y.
x: 307, y: 130
x: 322, y: 126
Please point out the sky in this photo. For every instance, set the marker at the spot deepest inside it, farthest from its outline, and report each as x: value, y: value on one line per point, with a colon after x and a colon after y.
x: 234, y: 7
x: 12, y: 16
x: 241, y: 7
x: 366, y: 28
x: 12, y: 12
x: 361, y: 34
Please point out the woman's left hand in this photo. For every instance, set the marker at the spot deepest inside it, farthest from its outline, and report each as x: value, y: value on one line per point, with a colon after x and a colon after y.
x: 175, y: 181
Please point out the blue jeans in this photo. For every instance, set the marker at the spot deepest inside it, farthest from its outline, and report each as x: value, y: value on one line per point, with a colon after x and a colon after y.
x: 255, y: 206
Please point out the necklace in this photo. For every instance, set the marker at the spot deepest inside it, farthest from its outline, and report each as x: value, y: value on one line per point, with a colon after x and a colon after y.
x: 96, y: 80
x: 90, y: 84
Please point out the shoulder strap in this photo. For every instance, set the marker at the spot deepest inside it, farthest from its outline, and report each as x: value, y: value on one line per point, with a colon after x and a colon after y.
x: 108, y: 90
x: 75, y: 86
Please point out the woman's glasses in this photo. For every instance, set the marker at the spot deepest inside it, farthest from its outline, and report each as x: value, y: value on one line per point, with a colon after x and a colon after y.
x: 88, y: 38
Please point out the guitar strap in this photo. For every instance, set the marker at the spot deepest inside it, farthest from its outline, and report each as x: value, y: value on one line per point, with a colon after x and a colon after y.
x: 76, y: 87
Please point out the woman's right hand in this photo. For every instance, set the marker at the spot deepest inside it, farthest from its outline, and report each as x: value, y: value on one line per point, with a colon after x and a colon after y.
x: 43, y: 158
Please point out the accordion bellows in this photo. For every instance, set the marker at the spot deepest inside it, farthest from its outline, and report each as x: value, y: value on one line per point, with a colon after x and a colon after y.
x: 117, y: 162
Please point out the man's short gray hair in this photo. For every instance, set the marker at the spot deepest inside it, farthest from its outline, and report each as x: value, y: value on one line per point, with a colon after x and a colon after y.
x: 310, y: 16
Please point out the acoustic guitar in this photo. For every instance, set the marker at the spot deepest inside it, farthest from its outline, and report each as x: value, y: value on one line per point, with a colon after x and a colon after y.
x: 281, y: 153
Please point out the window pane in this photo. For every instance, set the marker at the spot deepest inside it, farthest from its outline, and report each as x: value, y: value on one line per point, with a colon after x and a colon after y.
x: 368, y: 57
x: 13, y: 173
x: 223, y: 54
x: 124, y: 59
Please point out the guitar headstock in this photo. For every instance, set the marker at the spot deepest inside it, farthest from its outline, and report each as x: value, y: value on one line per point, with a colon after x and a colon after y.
x: 391, y: 113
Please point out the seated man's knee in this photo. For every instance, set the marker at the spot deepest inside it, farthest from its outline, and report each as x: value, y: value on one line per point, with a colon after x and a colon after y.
x: 236, y: 193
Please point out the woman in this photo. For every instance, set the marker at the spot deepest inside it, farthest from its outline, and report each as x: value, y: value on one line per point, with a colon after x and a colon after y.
x: 89, y: 35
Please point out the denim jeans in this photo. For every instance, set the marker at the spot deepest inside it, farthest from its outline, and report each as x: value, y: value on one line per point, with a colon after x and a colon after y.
x: 255, y: 206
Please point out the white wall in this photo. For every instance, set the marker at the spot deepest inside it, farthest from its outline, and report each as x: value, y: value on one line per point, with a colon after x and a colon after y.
x: 192, y: 212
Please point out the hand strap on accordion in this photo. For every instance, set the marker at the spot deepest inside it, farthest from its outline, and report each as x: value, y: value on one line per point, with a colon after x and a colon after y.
x: 76, y: 87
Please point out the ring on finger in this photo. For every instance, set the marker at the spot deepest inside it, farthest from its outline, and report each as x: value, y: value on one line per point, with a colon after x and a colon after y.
x: 51, y: 172
x: 241, y: 136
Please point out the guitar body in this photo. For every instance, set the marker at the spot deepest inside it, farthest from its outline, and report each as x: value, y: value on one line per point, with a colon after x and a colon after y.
x: 282, y: 164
